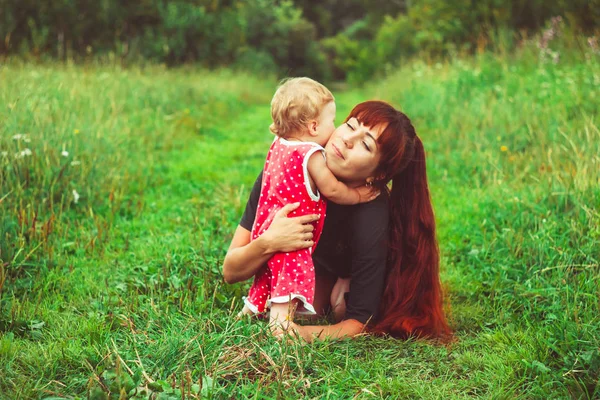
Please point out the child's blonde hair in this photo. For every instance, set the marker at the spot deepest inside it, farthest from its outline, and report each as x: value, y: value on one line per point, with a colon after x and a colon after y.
x: 297, y: 101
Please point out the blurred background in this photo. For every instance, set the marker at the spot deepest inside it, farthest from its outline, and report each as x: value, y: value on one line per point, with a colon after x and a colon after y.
x: 352, y: 40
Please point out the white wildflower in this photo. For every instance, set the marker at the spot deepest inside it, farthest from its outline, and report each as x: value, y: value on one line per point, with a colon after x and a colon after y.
x: 75, y: 196
x: 23, y: 153
x: 474, y: 252
x: 64, y: 153
x: 21, y: 136
x: 75, y: 163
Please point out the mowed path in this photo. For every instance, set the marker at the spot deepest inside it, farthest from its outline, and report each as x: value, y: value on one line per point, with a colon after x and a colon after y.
x: 154, y: 302
x: 151, y: 306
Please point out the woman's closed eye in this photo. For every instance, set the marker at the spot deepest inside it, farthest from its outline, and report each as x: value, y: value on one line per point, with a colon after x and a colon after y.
x: 367, y: 147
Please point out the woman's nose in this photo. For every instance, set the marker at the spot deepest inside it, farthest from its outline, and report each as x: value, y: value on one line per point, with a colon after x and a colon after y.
x: 348, y: 141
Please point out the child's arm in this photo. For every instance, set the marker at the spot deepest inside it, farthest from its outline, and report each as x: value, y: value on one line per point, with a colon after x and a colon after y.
x: 333, y: 189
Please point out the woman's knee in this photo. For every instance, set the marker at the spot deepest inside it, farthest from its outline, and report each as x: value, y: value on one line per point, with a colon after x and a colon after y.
x: 338, y: 301
x: 323, y: 287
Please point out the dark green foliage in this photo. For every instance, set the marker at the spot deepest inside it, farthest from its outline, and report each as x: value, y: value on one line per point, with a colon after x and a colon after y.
x: 431, y: 28
x: 268, y: 36
x: 339, y: 39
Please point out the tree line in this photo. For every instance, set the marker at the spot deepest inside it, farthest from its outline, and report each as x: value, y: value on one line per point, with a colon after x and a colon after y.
x: 326, y: 39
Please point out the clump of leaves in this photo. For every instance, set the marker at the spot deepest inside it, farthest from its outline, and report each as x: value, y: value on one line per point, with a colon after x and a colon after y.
x: 118, y: 383
x: 26, y: 329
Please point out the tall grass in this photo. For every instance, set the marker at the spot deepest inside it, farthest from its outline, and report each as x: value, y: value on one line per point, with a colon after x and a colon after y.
x: 514, y: 160
x: 111, y: 254
x: 81, y: 147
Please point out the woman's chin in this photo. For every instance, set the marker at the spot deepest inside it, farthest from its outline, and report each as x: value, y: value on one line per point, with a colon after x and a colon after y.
x: 336, y: 168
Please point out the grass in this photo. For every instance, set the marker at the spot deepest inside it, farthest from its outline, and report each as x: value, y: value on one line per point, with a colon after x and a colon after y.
x: 111, y: 254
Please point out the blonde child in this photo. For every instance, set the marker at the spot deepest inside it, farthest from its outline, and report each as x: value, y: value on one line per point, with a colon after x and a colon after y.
x: 295, y: 171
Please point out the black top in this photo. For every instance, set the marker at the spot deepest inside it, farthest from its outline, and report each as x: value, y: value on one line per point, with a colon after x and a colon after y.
x: 353, y: 244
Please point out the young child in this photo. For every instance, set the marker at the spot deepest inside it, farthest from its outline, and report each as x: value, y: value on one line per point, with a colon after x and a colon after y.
x: 303, y: 113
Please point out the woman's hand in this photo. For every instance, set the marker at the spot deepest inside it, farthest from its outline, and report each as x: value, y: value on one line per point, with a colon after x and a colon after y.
x: 367, y: 193
x: 289, y: 234
x: 245, y: 257
x: 342, y: 330
x: 299, y: 332
x: 293, y: 331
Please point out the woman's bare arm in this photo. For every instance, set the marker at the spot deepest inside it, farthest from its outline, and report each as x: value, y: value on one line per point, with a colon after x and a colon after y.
x: 244, y: 257
x: 345, y: 329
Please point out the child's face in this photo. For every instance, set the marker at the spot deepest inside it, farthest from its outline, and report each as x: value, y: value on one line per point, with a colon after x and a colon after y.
x: 326, y: 123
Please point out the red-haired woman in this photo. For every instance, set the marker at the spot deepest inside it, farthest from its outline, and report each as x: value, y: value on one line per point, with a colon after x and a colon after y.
x: 377, y: 263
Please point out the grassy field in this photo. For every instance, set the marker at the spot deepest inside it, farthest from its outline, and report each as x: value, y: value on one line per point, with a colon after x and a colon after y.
x: 120, y: 190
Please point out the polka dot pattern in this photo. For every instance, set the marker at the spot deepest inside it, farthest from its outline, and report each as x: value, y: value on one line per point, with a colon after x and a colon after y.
x: 283, y: 183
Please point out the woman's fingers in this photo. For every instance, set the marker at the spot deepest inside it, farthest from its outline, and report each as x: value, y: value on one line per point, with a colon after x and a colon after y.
x: 306, y: 228
x: 304, y: 244
x: 285, y: 210
x: 290, y: 233
x: 306, y: 219
x: 374, y: 195
x: 288, y: 208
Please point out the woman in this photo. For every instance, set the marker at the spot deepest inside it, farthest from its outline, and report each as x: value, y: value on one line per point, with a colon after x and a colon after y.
x: 383, y: 254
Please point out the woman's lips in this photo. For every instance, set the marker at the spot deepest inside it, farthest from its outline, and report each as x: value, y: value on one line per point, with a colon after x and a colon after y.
x: 337, y: 151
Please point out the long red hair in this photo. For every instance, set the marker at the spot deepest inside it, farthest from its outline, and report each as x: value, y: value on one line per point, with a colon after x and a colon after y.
x: 412, y: 302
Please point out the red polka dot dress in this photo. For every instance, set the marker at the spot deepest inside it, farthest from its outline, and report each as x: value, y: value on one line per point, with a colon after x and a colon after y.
x: 285, y: 180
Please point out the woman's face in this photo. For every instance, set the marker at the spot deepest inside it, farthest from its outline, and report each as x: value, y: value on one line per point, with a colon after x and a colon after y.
x: 353, y: 152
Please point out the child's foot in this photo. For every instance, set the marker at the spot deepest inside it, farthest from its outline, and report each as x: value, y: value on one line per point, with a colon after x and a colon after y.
x: 245, y: 311
x: 280, y: 317
x: 279, y: 327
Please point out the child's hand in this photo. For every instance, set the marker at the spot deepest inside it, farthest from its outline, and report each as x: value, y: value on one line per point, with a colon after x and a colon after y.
x: 367, y: 193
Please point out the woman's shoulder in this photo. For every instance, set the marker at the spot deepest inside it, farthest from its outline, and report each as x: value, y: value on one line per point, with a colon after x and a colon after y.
x: 376, y: 211
x: 374, y: 214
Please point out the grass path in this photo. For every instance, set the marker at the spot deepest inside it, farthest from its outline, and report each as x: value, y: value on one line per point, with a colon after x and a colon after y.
x: 156, y: 294
x: 518, y: 230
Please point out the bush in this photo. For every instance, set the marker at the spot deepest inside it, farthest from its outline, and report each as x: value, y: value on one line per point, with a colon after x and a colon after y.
x: 395, y: 40
x: 172, y: 31
x: 361, y: 38
x: 280, y: 31
x: 255, y: 61
x: 351, y: 53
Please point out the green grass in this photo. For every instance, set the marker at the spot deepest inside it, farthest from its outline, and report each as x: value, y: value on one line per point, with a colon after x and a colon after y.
x: 123, y: 286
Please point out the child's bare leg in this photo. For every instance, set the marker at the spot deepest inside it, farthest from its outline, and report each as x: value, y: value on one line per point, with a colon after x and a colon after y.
x: 338, y: 304
x: 281, y: 315
x: 323, y: 286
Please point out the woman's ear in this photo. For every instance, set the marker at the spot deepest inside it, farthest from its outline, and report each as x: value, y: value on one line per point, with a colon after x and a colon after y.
x: 372, y: 179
